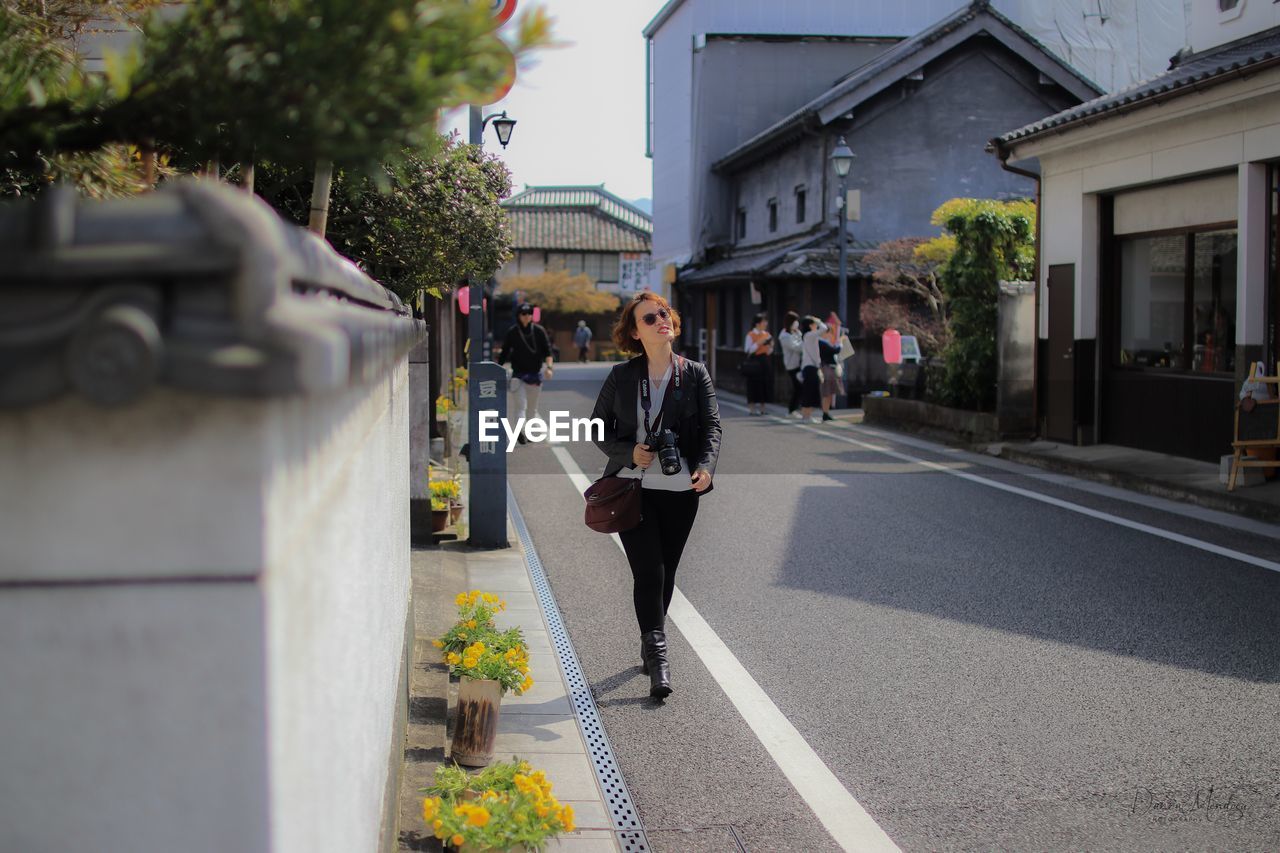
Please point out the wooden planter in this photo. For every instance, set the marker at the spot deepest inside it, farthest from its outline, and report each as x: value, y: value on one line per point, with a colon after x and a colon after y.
x: 476, y: 727
x: 455, y: 512
x: 439, y: 520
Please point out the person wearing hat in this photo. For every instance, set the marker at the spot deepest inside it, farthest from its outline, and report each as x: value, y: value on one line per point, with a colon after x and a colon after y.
x: 527, y: 348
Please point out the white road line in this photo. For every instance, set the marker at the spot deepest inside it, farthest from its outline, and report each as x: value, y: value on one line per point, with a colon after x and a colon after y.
x: 840, y: 814
x: 1027, y: 493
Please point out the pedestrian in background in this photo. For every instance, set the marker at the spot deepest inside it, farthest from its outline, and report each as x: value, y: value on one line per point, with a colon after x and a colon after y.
x: 828, y: 352
x: 582, y: 340
x: 792, y: 351
x: 641, y: 399
x: 527, y: 347
x: 811, y: 329
x: 758, y: 345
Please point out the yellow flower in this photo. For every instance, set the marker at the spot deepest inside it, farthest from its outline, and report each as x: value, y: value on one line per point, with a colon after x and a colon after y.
x: 457, y: 840
x: 437, y: 823
x: 566, y: 817
x: 462, y: 635
x: 471, y: 623
x: 453, y: 658
x: 437, y: 644
x: 461, y: 600
x: 479, y: 816
x: 470, y: 663
x: 429, y: 806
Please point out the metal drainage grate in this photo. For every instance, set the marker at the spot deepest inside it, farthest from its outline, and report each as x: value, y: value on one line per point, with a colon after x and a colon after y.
x: 626, y: 823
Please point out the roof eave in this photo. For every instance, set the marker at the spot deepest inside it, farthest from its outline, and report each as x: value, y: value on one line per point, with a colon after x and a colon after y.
x: 753, y: 149
x: 661, y: 18
x: 1009, y: 141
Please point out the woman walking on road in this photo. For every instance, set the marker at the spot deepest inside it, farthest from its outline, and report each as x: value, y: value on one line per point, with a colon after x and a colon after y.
x: 641, y: 400
x: 758, y: 346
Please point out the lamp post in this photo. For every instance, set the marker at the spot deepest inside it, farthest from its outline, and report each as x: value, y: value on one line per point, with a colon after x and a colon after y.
x: 842, y: 161
x: 487, y: 388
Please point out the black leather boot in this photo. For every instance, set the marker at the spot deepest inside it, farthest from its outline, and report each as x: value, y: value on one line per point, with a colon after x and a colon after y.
x: 654, y: 651
x: 644, y: 664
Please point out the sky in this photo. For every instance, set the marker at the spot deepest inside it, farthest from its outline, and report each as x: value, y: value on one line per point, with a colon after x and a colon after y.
x: 580, y: 108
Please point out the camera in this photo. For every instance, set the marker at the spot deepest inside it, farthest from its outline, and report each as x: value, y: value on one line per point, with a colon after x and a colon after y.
x: 663, y: 442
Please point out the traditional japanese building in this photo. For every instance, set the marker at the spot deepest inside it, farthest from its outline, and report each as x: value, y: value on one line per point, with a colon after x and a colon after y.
x: 1158, y: 242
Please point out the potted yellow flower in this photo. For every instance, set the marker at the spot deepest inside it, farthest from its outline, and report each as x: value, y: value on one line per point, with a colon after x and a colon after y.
x: 508, y: 807
x: 486, y: 670
x: 448, y: 492
x: 476, y: 610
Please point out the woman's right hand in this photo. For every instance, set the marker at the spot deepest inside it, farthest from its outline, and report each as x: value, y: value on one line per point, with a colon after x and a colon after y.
x: 642, y: 456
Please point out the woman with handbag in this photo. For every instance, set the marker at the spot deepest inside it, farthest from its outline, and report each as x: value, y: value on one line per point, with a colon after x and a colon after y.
x: 755, y: 367
x: 662, y: 427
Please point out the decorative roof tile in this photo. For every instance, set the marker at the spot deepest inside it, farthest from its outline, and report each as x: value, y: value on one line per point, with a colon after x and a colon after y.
x: 811, y: 256
x: 577, y: 218
x: 1193, y: 73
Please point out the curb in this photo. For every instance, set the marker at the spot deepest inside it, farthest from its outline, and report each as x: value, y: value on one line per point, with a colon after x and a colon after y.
x: 1222, y: 501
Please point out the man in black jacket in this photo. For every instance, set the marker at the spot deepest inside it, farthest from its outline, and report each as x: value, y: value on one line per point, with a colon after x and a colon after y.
x: 527, y: 347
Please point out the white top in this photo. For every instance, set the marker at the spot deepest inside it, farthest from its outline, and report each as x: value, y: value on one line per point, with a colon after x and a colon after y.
x: 652, y: 476
x: 811, y: 355
x: 792, y: 349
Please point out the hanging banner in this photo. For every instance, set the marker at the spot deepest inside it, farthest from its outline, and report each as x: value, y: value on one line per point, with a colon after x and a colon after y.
x: 633, y: 271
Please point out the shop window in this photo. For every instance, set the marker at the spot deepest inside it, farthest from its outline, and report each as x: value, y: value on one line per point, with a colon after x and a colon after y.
x: 1177, y: 302
x: 592, y: 265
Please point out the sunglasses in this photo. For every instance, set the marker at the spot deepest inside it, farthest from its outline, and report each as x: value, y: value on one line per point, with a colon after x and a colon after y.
x: 660, y: 314
x: 526, y: 313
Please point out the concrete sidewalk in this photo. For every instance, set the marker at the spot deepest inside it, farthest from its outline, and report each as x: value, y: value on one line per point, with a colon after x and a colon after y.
x: 539, y: 727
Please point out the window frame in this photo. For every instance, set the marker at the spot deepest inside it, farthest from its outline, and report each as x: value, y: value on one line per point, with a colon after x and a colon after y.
x: 1114, y: 347
x: 802, y: 198
x: 772, y: 207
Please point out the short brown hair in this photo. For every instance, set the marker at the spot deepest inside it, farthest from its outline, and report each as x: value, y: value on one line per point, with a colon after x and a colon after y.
x: 626, y: 323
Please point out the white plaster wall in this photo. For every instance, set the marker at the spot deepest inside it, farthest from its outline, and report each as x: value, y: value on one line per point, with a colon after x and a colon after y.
x: 1227, y: 127
x: 1210, y: 27
x: 203, y: 623
x: 337, y: 593
x: 133, y: 718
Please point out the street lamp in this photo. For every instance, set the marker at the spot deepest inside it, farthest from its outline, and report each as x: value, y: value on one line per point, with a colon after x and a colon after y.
x: 488, y: 513
x: 502, y: 124
x: 842, y: 162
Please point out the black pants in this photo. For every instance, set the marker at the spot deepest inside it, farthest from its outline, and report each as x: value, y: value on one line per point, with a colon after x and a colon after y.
x: 757, y: 389
x: 794, y: 402
x: 653, y: 550
x: 810, y: 387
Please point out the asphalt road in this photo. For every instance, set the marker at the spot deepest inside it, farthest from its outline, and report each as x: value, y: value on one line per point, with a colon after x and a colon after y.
x: 979, y: 668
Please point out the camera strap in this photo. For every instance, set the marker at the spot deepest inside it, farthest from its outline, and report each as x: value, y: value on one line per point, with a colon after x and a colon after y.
x: 646, y: 401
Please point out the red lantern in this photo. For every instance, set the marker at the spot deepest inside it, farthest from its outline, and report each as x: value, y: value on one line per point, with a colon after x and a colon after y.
x: 891, y: 342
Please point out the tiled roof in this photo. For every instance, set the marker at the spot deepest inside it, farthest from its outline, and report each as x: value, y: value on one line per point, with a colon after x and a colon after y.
x: 582, y: 197
x: 579, y: 218
x: 810, y: 256
x: 574, y: 230
x: 905, y: 58
x: 1192, y: 74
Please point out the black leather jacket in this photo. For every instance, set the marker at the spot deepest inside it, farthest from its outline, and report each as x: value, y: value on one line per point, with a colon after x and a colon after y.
x: 696, y: 416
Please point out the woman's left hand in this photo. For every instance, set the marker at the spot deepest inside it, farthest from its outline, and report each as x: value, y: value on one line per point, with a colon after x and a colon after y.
x: 701, y: 480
